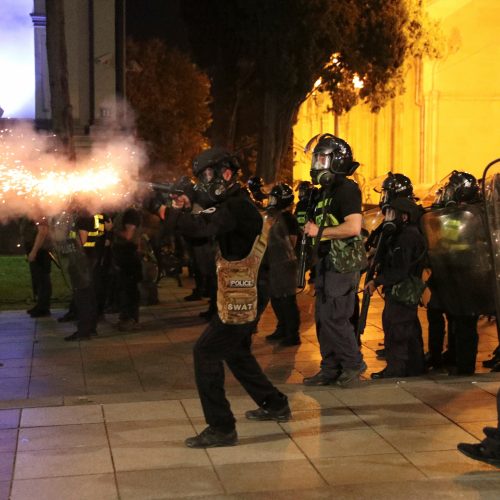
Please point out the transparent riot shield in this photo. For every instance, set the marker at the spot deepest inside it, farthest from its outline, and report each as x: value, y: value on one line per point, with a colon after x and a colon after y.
x: 460, y: 258
x: 70, y: 254
x: 491, y: 196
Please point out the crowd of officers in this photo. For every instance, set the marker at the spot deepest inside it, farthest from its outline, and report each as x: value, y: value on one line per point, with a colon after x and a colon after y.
x: 244, y: 247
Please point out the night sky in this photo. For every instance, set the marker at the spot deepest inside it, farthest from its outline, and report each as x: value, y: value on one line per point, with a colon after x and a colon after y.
x: 156, y: 19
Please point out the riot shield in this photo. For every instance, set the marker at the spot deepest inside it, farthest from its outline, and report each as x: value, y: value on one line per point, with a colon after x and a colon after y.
x: 70, y: 254
x: 460, y: 258
x: 491, y: 196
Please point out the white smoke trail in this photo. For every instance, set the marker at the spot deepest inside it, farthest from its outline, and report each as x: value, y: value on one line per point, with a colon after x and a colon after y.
x: 35, y: 180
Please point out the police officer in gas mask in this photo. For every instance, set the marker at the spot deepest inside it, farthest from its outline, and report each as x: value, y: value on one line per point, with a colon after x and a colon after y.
x: 282, y: 261
x: 461, y: 189
x: 240, y: 233
x: 402, y: 256
x: 340, y: 257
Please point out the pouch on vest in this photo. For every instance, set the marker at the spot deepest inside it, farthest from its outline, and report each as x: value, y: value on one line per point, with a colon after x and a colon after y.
x: 348, y: 256
x: 409, y: 291
x: 237, y: 283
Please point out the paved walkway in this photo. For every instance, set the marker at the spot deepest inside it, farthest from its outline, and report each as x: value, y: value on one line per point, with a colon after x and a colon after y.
x: 106, y: 419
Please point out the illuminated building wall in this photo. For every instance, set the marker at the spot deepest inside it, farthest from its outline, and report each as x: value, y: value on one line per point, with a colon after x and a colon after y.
x: 448, y: 118
x: 17, y: 60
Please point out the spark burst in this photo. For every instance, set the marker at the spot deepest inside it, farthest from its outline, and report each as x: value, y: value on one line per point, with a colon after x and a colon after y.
x: 31, y: 179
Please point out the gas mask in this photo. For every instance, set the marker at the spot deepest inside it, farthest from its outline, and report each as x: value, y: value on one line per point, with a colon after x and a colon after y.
x: 218, y: 186
x: 320, y: 170
x: 393, y: 220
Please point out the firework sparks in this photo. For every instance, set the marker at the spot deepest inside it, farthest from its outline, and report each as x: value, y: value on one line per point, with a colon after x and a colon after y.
x: 32, y: 180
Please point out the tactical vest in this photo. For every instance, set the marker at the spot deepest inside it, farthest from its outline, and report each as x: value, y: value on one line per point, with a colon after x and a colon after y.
x: 93, y: 235
x: 345, y: 255
x: 237, y: 283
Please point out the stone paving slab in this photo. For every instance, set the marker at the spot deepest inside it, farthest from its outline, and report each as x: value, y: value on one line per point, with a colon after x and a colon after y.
x: 106, y: 419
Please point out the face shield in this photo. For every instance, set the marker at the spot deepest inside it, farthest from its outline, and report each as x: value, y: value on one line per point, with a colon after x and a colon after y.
x: 385, y: 199
x: 207, y: 175
x: 320, y: 169
x: 272, y: 201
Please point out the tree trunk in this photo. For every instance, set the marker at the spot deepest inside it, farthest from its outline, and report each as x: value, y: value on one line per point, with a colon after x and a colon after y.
x: 274, y: 138
x: 62, y: 118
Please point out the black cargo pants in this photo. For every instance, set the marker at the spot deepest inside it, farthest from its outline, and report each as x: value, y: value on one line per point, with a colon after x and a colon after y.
x: 230, y: 343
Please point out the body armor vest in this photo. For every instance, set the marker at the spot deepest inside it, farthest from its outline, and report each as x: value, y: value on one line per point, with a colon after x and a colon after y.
x: 345, y: 255
x: 93, y: 235
x: 237, y: 283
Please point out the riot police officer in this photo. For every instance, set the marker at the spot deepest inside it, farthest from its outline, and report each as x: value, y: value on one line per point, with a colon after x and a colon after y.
x: 394, y: 186
x: 402, y: 256
x: 341, y: 257
x: 460, y: 190
x: 235, y: 223
x: 36, y: 239
x: 126, y: 259
x: 282, y: 262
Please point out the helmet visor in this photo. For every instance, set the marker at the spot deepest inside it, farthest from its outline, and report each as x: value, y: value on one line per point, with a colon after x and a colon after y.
x: 272, y: 201
x: 207, y: 175
x: 321, y: 162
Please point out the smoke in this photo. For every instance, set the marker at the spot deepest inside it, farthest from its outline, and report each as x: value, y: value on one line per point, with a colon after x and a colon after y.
x: 37, y: 180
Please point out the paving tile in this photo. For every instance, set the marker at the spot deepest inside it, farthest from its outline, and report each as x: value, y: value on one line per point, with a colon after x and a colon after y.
x: 16, y: 349
x: 8, y: 439
x: 148, y: 431
x: 6, y: 465
x: 476, y: 428
x: 109, y: 383
x: 14, y: 388
x: 53, y: 385
x: 157, y: 455
x: 5, y: 489
x: 89, y: 487
x: 311, y: 399
x: 343, y: 444
x: 470, y: 410
x: 257, y: 449
x: 322, y: 420
x: 375, y: 395
x: 150, y: 410
x: 401, y: 415
x: 293, y: 475
x: 367, y: 469
x: 61, y: 415
x: 435, y: 437
x: 411, y: 490
x: 9, y: 419
x: 450, y: 463
x: 168, y: 483
x: 62, y: 436
x: 63, y: 462
x: 14, y: 372
x: 248, y: 428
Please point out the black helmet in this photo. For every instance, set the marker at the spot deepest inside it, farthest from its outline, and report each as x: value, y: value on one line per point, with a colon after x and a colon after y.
x: 331, y: 155
x: 209, y: 168
x: 255, y: 183
x: 214, y: 157
x: 281, y: 196
x: 395, y: 186
x: 303, y: 188
x: 461, y: 187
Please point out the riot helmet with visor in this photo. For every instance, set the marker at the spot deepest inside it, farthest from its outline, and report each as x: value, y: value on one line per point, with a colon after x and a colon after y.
x: 280, y: 197
x: 331, y: 156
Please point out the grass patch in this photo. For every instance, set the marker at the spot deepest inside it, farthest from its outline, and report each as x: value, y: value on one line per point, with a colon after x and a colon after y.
x: 15, y: 284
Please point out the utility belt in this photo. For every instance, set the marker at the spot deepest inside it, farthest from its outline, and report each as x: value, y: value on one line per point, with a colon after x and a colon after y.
x: 237, y: 294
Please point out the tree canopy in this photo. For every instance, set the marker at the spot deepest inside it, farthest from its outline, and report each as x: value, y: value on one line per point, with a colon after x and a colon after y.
x: 170, y: 97
x: 264, y: 57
